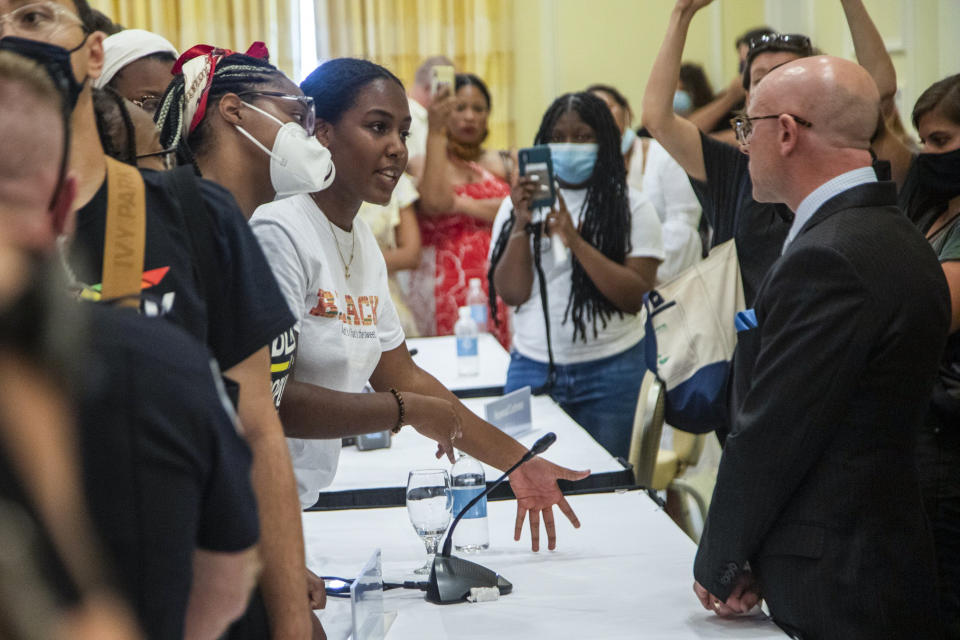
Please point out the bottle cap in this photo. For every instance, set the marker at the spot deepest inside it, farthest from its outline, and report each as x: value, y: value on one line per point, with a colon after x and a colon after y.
x: 464, y: 313
x: 475, y: 282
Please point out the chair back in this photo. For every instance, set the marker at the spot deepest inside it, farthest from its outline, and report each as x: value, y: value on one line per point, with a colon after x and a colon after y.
x: 688, y: 447
x: 647, y: 428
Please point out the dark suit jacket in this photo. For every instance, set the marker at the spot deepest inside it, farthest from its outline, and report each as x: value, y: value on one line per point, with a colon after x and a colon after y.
x: 816, y: 488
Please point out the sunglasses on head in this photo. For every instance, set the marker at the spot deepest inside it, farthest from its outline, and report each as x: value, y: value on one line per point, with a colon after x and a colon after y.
x: 781, y: 42
x: 796, y: 43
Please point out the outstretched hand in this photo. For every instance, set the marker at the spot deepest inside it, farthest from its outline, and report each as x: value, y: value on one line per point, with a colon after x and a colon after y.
x: 535, y: 486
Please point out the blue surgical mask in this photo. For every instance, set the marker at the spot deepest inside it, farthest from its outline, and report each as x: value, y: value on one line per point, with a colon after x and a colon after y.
x: 626, y: 142
x: 682, y: 102
x: 573, y: 162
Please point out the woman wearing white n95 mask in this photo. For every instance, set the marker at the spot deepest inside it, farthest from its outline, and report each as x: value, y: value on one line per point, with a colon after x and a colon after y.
x: 243, y: 124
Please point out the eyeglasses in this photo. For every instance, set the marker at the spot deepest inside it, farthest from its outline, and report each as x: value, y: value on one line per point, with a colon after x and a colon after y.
x: 307, y: 116
x: 168, y: 157
x: 743, y: 125
x: 150, y: 104
x: 782, y: 42
x: 39, y: 20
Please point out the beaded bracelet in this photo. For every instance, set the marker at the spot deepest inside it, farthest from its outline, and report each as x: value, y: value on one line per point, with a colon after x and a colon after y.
x: 403, y: 412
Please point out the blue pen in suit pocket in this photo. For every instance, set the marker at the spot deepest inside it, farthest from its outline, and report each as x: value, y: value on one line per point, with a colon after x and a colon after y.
x: 745, y: 320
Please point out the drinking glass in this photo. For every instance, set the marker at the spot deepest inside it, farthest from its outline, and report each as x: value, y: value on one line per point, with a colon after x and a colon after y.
x: 429, y: 504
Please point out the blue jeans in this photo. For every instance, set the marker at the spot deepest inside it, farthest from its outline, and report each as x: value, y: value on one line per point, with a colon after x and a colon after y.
x: 601, y: 395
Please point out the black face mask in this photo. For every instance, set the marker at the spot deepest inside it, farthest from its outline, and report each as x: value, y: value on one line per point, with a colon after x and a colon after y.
x: 56, y: 61
x: 934, y: 179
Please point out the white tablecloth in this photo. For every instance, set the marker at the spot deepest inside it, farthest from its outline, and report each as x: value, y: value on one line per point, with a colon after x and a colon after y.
x: 626, y: 573
x: 438, y: 356
x: 383, y: 468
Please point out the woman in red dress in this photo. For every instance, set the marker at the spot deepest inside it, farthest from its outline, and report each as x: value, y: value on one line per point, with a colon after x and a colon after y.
x: 461, y: 188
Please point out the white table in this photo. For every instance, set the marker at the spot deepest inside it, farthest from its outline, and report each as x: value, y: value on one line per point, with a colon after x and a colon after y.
x: 378, y: 477
x: 438, y: 356
x: 626, y: 573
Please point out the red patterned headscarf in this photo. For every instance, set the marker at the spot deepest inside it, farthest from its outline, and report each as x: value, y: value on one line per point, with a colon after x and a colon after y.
x: 198, y: 65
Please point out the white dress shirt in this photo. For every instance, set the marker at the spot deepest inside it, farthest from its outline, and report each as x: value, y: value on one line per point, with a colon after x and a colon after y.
x: 819, y: 196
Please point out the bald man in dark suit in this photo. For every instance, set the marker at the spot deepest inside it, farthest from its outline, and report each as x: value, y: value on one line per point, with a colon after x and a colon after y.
x: 817, y: 505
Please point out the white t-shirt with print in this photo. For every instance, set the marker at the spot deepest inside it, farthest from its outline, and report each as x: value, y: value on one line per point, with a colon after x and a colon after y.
x: 620, y: 334
x: 343, y: 324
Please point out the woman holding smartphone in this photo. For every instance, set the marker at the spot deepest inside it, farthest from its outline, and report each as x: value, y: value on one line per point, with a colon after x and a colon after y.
x: 594, y: 287
x: 461, y: 187
x: 334, y: 278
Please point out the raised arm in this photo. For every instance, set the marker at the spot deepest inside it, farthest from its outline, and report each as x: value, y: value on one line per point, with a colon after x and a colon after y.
x: 872, y: 52
x: 513, y: 275
x: 872, y: 56
x: 711, y: 115
x: 679, y: 136
x: 436, y: 189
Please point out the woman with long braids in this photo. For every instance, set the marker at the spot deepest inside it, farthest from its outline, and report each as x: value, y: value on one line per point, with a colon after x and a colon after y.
x: 241, y: 123
x: 590, y: 357
x: 334, y: 278
x: 244, y: 125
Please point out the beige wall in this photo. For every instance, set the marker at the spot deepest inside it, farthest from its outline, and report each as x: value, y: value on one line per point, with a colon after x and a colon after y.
x: 566, y: 45
x: 921, y: 36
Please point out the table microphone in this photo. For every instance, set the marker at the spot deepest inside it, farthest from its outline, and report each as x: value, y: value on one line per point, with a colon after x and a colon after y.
x: 451, y: 578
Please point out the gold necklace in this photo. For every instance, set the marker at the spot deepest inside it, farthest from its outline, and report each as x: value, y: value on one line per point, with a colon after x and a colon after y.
x: 353, y: 247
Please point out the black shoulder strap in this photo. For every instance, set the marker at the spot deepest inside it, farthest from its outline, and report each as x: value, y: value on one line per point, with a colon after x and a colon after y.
x: 197, y: 222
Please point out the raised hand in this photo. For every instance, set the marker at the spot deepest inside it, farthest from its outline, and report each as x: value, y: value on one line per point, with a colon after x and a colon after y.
x: 692, y: 5
x: 438, y: 113
x: 560, y: 222
x: 524, y: 189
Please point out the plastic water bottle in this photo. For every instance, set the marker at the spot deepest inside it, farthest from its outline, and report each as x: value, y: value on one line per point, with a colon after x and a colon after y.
x: 468, y: 481
x: 468, y: 360
x: 477, y: 301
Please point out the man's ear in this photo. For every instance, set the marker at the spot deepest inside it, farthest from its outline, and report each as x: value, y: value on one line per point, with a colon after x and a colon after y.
x: 95, y: 54
x: 231, y: 109
x: 787, y: 134
x: 324, y: 132
x: 62, y: 206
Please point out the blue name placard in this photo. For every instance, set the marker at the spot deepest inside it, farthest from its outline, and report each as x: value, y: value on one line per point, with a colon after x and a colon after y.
x: 511, y: 413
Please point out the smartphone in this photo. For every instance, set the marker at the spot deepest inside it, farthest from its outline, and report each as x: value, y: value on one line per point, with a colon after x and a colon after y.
x: 441, y: 76
x: 536, y: 161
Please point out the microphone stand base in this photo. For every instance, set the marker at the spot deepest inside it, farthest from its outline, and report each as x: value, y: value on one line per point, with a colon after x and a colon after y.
x: 451, y: 579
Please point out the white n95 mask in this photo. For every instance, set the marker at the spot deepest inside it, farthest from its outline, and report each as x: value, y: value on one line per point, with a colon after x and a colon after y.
x: 298, y: 162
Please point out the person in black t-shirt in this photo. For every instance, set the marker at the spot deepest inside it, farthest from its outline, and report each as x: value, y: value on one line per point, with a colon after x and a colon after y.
x: 719, y: 172
x: 263, y: 127
x: 252, y: 134
x: 166, y: 471
x: 55, y: 581
x: 930, y: 196
x: 237, y: 312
